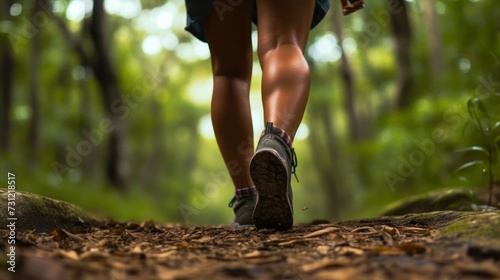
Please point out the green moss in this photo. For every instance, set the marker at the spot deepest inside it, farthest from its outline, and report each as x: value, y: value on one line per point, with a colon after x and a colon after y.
x: 35, y: 212
x: 53, y: 207
x: 432, y: 220
x: 482, y: 228
x: 439, y: 218
x: 426, y: 218
x: 441, y: 200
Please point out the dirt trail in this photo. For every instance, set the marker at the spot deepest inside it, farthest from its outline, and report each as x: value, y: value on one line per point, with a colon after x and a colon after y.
x: 438, y: 245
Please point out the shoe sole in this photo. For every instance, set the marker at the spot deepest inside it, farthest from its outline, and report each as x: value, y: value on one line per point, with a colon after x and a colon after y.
x: 273, y: 209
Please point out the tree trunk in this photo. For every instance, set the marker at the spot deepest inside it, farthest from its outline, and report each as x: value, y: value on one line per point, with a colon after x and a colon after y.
x: 401, y: 29
x: 34, y: 100
x: 6, y: 77
x: 89, y: 164
x: 117, y: 164
x: 326, y: 155
x: 355, y: 130
x: 153, y: 164
x: 434, y: 38
x: 101, y: 64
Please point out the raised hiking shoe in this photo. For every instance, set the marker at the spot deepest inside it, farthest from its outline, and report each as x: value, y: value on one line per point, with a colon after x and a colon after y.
x: 243, y: 209
x: 271, y: 167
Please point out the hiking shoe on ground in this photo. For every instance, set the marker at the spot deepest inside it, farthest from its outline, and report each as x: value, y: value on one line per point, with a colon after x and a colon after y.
x: 271, y: 168
x: 243, y: 209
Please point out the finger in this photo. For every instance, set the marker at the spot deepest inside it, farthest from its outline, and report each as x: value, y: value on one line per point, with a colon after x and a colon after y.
x: 348, y: 11
x: 344, y: 3
x: 351, y: 9
x: 358, y: 5
x: 354, y: 2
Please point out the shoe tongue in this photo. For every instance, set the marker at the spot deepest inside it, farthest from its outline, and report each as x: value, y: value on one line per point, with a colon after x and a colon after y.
x: 269, y: 128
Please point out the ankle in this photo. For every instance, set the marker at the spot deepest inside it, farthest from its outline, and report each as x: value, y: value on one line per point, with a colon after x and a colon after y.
x: 281, y: 133
x: 245, y: 192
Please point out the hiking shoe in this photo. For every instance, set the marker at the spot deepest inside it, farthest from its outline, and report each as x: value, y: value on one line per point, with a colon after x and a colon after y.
x: 271, y: 168
x: 243, y: 209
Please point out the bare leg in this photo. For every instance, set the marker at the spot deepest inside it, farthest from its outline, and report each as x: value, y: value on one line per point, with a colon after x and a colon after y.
x: 230, y: 45
x: 283, y: 33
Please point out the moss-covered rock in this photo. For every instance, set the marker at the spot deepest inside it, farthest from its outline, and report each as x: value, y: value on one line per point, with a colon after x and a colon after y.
x: 432, y: 220
x: 441, y: 200
x: 43, y: 214
x: 481, y: 229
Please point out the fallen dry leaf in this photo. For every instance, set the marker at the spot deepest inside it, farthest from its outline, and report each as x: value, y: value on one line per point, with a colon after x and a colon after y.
x: 322, y: 249
x: 321, y: 232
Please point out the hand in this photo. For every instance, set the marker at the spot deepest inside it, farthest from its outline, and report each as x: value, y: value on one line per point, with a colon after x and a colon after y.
x: 351, y: 6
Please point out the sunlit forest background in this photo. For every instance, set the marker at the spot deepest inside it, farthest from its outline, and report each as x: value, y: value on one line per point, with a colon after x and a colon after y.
x: 105, y: 104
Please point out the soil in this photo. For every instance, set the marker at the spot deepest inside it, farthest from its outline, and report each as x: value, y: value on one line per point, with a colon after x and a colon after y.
x: 437, y: 245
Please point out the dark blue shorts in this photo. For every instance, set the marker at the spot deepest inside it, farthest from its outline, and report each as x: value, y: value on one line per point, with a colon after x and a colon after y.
x: 199, y: 9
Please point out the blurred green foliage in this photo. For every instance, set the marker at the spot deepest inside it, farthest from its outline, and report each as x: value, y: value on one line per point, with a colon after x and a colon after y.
x: 176, y: 173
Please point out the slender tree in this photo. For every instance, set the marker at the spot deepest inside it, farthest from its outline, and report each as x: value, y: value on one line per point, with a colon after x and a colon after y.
x: 105, y: 72
x: 99, y: 59
x: 86, y: 121
x: 435, y: 44
x: 324, y: 148
x: 7, y: 67
x: 34, y: 91
x: 355, y: 129
x: 401, y: 30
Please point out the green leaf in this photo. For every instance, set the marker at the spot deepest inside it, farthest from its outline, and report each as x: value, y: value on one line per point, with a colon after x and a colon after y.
x: 474, y: 148
x: 470, y: 164
x: 480, y: 115
x: 464, y: 179
x: 496, y: 127
x: 496, y: 143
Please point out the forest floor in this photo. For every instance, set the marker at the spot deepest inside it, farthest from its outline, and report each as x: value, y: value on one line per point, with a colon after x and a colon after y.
x: 437, y: 245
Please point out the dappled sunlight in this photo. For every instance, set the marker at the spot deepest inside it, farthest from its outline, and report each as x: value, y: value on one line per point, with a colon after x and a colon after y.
x: 159, y: 19
x: 192, y: 52
x: 169, y: 41
x: 200, y: 91
x: 16, y: 9
x: 77, y: 9
x: 464, y: 65
x: 125, y: 8
x: 206, y: 128
x: 349, y: 45
x: 325, y: 49
x: 151, y: 45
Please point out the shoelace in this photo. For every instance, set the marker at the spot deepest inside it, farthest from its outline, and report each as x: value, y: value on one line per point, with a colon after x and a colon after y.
x: 232, y: 202
x: 295, y: 163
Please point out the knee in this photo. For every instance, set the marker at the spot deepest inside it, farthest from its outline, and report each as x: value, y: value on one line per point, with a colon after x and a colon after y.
x: 233, y: 67
x: 284, y: 59
x: 269, y: 44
